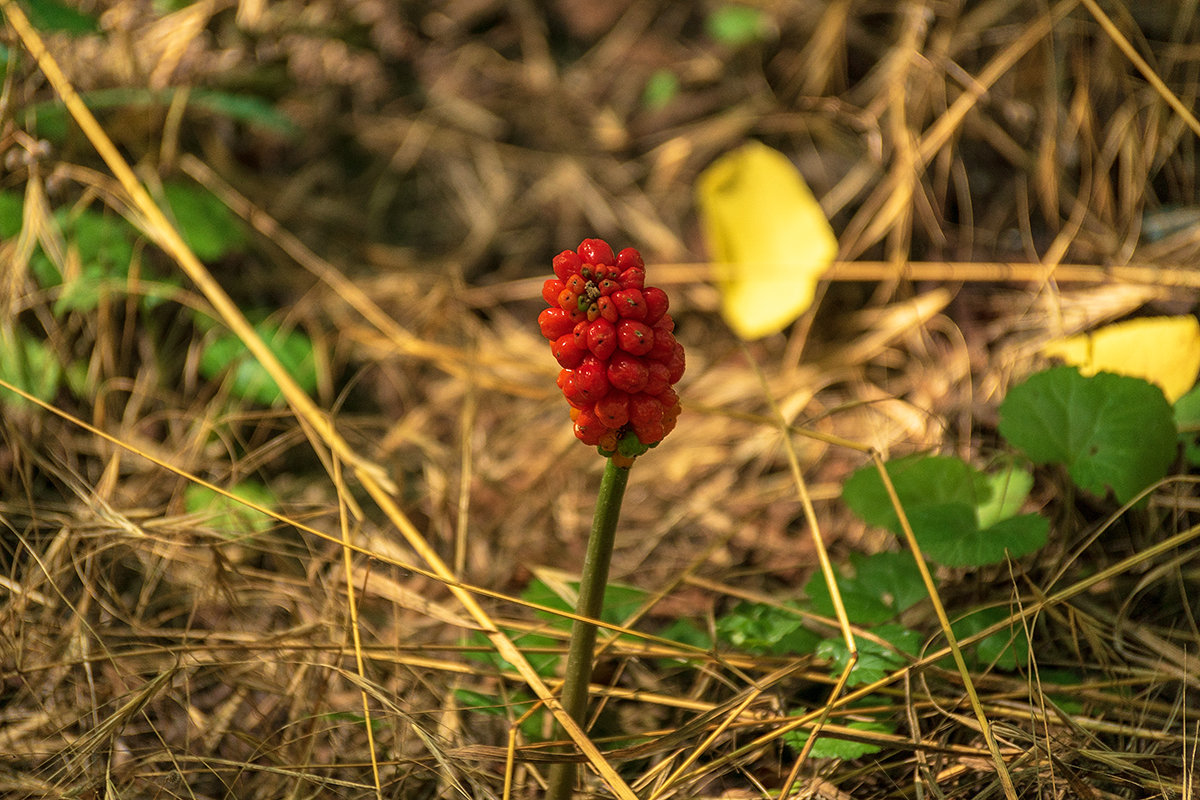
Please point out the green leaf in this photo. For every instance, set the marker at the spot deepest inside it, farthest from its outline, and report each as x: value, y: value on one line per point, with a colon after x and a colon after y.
x: 1112, y: 432
x: 766, y: 629
x: 515, y: 705
x: 919, y: 480
x: 50, y: 15
x: 1187, y: 419
x: 687, y: 632
x: 827, y: 746
x: 660, y: 90
x: 29, y: 364
x: 535, y: 646
x: 12, y: 210
x: 875, y: 660
x: 229, y: 516
x: 735, y: 25
x: 206, y: 224
x: 883, y: 585
x: 50, y: 120
x: 1006, y: 649
x: 250, y: 381
x: 620, y: 602
x: 1008, y: 489
x: 945, y: 499
x: 951, y: 536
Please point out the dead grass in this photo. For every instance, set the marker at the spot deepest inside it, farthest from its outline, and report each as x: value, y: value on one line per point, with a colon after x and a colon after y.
x: 448, y: 149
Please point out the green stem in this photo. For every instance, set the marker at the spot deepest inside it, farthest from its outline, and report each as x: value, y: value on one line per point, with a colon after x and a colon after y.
x: 590, y: 604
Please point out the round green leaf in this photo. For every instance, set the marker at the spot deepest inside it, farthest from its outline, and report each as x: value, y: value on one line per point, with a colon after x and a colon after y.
x: 222, y: 513
x: 951, y: 536
x: 1112, y: 432
x: 883, y: 585
x: 206, y: 224
x: 250, y: 380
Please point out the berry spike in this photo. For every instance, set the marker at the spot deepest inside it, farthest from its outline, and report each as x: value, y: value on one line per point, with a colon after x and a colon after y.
x: 612, y: 335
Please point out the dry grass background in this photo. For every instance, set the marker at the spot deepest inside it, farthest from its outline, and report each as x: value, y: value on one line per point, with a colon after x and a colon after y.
x: 999, y: 172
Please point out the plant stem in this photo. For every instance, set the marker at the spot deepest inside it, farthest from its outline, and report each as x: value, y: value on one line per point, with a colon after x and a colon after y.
x: 590, y: 604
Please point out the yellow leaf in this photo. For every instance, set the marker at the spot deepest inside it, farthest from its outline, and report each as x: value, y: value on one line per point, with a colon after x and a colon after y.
x: 1162, y: 350
x: 768, y: 238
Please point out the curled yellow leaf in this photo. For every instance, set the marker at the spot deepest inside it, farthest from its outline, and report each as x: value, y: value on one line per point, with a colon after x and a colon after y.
x: 768, y: 238
x: 1161, y: 350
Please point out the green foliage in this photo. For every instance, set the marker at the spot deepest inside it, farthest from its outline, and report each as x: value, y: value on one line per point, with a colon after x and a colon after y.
x: 827, y: 746
x: 1007, y: 648
x: 875, y: 660
x: 105, y: 244
x: 249, y: 380
x: 50, y: 120
x: 766, y: 629
x: 29, y: 364
x: 1111, y: 432
x: 1187, y: 419
x: 206, y: 224
x: 51, y: 15
x: 947, y: 502
x: 882, y: 586
x: 736, y: 25
x: 12, y: 206
x: 660, y: 89
x: 516, y: 705
x: 227, y: 515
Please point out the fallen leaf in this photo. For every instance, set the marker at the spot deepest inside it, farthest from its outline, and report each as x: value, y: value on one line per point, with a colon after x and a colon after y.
x: 1162, y: 350
x: 767, y: 236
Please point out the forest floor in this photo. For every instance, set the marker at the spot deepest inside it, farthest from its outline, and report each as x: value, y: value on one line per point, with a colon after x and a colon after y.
x: 377, y: 189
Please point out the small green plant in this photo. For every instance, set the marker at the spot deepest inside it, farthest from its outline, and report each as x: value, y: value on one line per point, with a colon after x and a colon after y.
x: 225, y: 353
x: 1112, y: 433
x: 737, y: 25
x: 229, y: 516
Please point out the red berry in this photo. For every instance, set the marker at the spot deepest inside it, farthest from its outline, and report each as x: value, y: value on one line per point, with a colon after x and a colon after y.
x: 566, y: 353
x: 630, y: 303
x: 589, y: 429
x: 591, y: 380
x: 568, y: 300
x: 666, y: 323
x: 628, y: 258
x: 660, y: 379
x: 554, y: 322
x: 663, y: 345
x: 602, y: 339
x: 596, y: 251
x: 656, y: 304
x: 566, y: 264
x: 580, y: 333
x: 645, y: 408
x: 669, y: 418
x: 576, y: 284
x: 613, y: 409
x: 627, y: 373
x: 551, y: 289
x: 633, y: 278
x: 577, y: 314
x: 634, y: 337
x: 608, y: 286
x: 646, y: 415
x: 608, y: 309
x: 676, y: 364
x: 570, y: 390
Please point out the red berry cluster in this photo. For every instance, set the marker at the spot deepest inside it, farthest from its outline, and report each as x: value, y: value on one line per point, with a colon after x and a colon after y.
x: 613, y: 337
